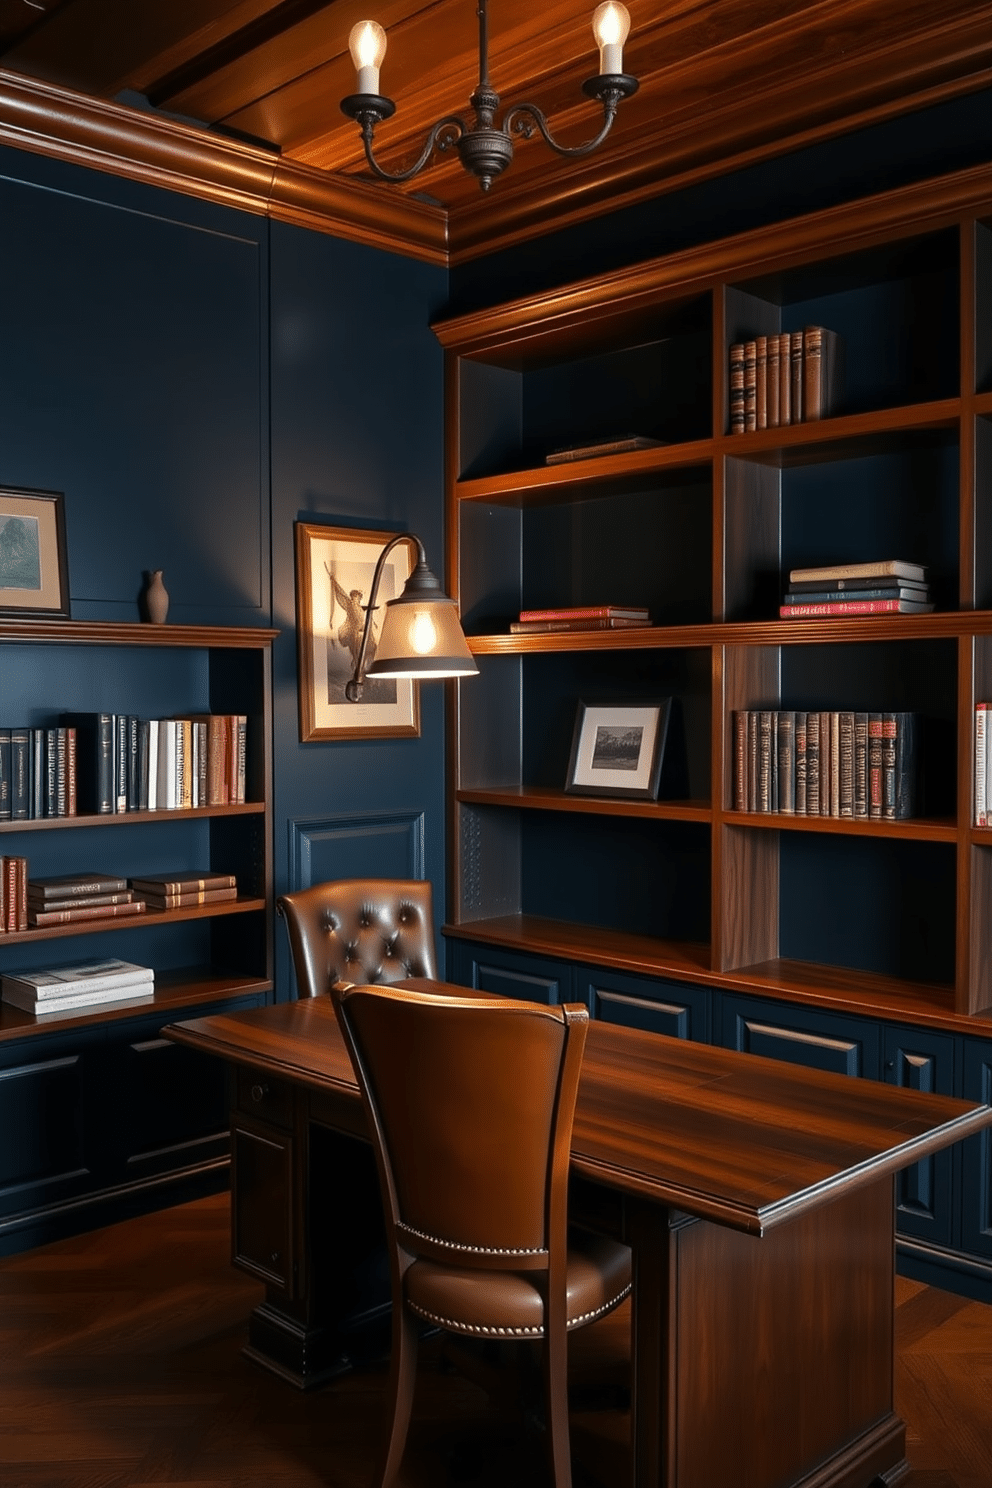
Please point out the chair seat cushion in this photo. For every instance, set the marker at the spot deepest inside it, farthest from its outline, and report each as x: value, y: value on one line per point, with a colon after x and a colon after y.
x: 507, y: 1304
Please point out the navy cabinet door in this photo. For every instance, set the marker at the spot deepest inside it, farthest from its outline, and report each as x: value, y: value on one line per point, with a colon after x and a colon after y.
x: 799, y: 1035
x: 976, y: 1157
x: 920, y: 1060
x: 507, y: 973
x: 642, y: 1002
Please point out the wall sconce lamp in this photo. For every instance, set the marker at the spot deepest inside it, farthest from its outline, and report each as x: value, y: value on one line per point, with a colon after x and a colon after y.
x: 484, y: 149
x: 421, y: 635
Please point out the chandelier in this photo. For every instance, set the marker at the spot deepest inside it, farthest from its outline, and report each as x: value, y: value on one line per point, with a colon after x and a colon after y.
x: 484, y: 147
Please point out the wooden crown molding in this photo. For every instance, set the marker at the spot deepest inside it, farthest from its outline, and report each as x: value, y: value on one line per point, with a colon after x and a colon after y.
x: 923, y: 207
x: 125, y: 142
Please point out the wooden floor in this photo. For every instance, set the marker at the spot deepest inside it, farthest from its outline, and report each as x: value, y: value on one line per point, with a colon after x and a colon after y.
x: 120, y: 1367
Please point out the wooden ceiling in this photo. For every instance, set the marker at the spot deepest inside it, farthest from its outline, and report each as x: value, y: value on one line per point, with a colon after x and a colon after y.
x: 723, y: 82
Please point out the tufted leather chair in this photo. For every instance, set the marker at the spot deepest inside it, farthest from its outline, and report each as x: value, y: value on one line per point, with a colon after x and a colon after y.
x: 470, y: 1101
x: 359, y: 930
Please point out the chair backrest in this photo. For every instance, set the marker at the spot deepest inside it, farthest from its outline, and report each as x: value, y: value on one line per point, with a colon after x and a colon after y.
x: 471, y: 1101
x: 367, y: 930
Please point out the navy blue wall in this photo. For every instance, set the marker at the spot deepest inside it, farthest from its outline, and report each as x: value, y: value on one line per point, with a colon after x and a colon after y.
x: 195, y: 381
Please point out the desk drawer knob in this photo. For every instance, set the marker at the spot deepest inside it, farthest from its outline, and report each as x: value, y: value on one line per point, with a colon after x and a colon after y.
x: 259, y: 1092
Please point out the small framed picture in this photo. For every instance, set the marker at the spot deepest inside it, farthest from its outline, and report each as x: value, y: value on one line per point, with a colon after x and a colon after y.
x: 617, y: 749
x: 334, y: 568
x: 34, y: 571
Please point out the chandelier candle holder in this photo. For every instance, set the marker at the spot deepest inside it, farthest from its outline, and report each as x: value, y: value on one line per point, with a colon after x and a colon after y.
x: 484, y: 147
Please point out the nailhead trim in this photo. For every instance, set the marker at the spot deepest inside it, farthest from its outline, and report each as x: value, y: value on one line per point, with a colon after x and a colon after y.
x: 491, y: 1332
x: 472, y: 1249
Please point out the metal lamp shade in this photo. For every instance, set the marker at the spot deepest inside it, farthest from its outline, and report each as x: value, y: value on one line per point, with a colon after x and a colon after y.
x: 421, y: 637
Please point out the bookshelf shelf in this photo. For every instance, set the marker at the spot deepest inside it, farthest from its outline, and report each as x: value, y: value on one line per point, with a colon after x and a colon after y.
x: 912, y: 829
x: 704, y: 530
x: 131, y: 818
x: 131, y: 1122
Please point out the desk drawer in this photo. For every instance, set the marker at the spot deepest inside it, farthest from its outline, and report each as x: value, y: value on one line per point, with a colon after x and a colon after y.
x: 264, y: 1099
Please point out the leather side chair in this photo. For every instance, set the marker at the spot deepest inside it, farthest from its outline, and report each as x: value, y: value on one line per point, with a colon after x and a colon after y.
x: 367, y: 930
x: 470, y: 1102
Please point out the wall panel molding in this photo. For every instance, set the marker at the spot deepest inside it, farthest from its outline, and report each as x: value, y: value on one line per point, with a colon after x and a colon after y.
x: 375, y: 845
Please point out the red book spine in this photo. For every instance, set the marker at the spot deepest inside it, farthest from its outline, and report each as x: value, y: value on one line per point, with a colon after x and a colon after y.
x: 586, y: 612
x: 841, y: 607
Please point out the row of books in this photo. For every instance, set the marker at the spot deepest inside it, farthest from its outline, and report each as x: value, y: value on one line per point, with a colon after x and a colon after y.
x: 826, y: 762
x: 888, y: 587
x: 791, y: 378
x: 105, y: 763
x: 34, y: 903
x: 581, y: 617
x: 62, y: 989
x: 983, y: 765
x: 37, y: 772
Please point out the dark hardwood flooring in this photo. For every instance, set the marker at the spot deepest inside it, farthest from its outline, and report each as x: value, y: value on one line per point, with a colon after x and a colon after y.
x: 120, y: 1367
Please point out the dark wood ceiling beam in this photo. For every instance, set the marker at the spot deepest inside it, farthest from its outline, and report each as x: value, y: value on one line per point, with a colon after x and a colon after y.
x: 103, y: 46
x: 743, y: 125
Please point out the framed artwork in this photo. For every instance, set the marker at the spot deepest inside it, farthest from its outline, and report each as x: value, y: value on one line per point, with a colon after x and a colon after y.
x: 334, y: 568
x: 34, y: 571
x: 617, y: 749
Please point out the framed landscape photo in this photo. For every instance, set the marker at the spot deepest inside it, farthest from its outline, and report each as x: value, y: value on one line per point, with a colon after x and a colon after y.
x: 334, y: 568
x: 617, y: 749
x: 34, y: 572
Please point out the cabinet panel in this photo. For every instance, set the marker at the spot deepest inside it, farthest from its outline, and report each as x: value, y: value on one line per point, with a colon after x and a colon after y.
x: 847, y: 1046
x: 976, y: 1164
x: 508, y: 974
x: 920, y: 1060
x: 671, y: 1008
x: 47, y: 1151
x: 262, y: 1204
x: 177, y: 1108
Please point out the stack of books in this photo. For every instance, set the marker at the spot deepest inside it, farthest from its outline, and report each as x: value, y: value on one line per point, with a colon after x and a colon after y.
x: 791, y: 378
x: 128, y: 763
x: 581, y: 617
x: 183, y: 890
x: 63, y: 989
x: 80, y: 896
x: 889, y: 587
x: 826, y: 763
x: 37, y: 773
x: 13, y: 895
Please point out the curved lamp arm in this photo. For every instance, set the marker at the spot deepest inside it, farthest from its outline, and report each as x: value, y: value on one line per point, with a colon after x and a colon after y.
x: 353, y: 689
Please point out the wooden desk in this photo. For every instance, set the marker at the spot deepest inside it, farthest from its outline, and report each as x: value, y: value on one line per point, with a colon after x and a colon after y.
x: 757, y: 1198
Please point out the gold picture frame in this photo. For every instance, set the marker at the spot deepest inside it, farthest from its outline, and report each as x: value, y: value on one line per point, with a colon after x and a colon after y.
x: 334, y: 567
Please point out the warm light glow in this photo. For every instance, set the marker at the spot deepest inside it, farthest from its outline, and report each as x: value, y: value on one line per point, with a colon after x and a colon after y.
x: 367, y: 44
x: 611, y: 27
x: 423, y: 636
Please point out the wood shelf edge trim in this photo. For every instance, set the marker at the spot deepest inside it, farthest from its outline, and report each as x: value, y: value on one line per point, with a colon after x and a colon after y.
x: 134, y: 921
x: 548, y: 800
x: 73, y: 127
x: 170, y: 997
x: 136, y: 633
x: 854, y: 629
x: 918, y: 829
x: 120, y: 818
x: 699, y: 454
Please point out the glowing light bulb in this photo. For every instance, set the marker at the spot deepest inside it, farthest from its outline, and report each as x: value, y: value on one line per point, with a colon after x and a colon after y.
x: 611, y: 27
x: 367, y: 44
x: 423, y: 635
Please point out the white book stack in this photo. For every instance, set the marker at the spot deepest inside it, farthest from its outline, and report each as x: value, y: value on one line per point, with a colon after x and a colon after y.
x: 62, y: 989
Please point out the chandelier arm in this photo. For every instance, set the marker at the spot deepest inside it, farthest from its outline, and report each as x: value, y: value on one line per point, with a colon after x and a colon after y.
x: 446, y: 132
x: 515, y: 122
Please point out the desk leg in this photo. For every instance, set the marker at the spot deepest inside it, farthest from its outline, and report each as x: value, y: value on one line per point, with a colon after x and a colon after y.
x: 766, y: 1362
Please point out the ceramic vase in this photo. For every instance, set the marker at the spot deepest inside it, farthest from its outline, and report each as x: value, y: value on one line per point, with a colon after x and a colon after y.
x: 156, y: 598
